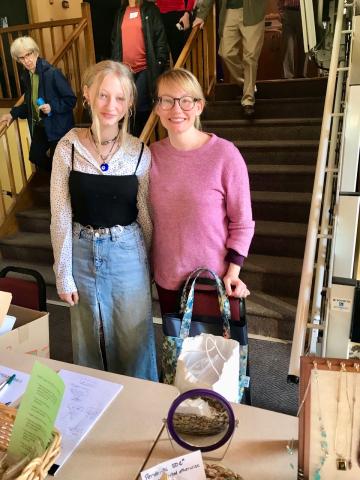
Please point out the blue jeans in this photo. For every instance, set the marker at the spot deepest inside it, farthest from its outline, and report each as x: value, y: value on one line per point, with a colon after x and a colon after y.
x: 112, y: 277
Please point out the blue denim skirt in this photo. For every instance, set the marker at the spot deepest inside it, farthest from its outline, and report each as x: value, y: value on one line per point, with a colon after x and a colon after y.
x: 111, y: 273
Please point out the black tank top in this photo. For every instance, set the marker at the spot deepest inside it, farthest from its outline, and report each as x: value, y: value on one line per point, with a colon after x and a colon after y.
x: 103, y: 200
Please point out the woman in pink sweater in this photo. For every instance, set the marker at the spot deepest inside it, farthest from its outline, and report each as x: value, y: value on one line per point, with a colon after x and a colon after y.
x: 199, y: 193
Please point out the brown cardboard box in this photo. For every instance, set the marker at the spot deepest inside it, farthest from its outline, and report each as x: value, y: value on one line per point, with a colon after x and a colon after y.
x: 31, y: 330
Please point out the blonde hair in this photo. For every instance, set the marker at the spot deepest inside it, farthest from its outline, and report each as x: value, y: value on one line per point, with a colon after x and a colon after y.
x: 23, y: 44
x: 95, y: 74
x: 186, y: 81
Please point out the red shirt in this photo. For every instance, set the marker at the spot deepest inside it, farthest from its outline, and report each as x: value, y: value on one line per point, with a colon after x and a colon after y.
x: 132, y: 37
x: 166, y: 6
x: 288, y: 4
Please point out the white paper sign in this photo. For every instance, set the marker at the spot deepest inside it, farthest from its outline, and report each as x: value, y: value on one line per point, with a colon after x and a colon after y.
x: 133, y: 15
x: 186, y: 467
x: 341, y: 304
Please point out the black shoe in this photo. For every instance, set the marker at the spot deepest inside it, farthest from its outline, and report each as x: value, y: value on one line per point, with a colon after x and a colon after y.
x: 249, y: 110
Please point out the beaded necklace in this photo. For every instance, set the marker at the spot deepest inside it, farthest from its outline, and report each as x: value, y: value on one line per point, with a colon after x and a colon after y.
x: 104, y: 165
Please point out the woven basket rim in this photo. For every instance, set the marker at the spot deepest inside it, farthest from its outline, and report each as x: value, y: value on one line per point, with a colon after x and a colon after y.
x: 38, y: 467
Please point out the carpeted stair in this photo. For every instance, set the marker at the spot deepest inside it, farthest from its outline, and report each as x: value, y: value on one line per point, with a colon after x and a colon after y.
x: 279, y: 146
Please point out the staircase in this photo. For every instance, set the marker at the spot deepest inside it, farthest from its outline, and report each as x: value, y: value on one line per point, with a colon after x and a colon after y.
x: 280, y: 148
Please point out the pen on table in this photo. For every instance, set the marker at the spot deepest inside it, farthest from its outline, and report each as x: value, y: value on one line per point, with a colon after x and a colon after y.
x: 8, y: 381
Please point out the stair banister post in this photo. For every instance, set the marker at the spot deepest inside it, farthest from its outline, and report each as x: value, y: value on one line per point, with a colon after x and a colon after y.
x: 325, y: 220
x: 302, y: 311
x: 89, y: 37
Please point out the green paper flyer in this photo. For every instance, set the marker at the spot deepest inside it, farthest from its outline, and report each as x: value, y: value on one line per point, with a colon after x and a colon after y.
x: 37, y: 413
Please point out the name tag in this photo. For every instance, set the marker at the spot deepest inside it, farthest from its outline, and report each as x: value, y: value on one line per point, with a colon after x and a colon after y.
x: 133, y: 15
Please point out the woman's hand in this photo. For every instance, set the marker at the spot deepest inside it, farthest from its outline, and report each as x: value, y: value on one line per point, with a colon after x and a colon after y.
x: 45, y: 108
x: 6, y: 118
x: 198, y: 21
x: 70, y: 298
x: 231, y: 279
x: 185, y: 20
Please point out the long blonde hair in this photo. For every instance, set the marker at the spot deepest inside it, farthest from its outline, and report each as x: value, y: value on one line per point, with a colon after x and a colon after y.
x: 95, y: 74
x: 185, y: 80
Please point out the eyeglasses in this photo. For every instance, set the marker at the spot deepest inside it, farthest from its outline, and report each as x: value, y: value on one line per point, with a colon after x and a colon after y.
x: 186, y: 102
x: 25, y: 57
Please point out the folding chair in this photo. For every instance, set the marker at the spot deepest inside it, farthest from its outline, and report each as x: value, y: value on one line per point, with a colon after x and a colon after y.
x: 26, y: 293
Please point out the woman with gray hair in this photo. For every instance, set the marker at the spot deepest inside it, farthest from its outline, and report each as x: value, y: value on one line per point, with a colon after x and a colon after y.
x: 48, y: 104
x: 99, y: 222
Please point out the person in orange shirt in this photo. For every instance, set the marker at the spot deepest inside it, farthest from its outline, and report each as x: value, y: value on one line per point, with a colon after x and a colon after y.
x: 139, y: 41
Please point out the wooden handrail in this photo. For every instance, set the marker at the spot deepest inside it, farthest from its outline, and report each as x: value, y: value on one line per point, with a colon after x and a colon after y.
x: 35, y: 26
x: 75, y: 34
x: 3, y: 126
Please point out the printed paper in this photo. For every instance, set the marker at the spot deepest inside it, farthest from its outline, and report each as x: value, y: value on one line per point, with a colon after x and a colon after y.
x: 185, y: 467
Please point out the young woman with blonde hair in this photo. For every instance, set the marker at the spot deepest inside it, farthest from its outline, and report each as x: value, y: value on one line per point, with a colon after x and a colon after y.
x: 99, y: 220
x: 200, y: 197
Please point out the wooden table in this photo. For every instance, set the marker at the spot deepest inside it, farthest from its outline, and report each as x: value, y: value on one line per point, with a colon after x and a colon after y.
x: 119, y: 443
x: 258, y: 448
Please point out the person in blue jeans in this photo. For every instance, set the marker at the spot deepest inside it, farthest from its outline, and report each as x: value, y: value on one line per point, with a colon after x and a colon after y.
x: 48, y: 102
x: 99, y: 227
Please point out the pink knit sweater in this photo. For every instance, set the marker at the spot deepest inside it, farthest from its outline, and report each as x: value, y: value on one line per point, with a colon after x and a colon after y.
x: 201, y: 207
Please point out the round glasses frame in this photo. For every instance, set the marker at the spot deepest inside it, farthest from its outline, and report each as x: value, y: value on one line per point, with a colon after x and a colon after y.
x: 186, y: 103
x: 26, y: 56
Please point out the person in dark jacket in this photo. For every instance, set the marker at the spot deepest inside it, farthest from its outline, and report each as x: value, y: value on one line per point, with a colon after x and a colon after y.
x: 139, y: 41
x: 48, y: 104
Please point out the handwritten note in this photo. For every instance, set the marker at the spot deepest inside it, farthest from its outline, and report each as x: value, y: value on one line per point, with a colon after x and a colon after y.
x: 186, y: 467
x: 37, y: 413
x: 85, y: 400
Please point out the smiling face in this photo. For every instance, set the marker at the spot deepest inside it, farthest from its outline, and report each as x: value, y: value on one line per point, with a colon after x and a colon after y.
x: 176, y: 120
x: 107, y: 100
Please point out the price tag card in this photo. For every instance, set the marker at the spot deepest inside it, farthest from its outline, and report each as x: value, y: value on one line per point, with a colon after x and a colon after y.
x: 185, y: 467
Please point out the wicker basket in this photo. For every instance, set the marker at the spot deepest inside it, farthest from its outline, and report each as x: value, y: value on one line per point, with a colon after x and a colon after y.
x: 38, y: 468
x: 217, y: 472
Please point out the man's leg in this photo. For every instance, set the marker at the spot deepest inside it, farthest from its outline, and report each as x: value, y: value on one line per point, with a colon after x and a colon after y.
x: 289, y: 41
x: 253, y: 39
x: 230, y: 44
x: 299, y: 70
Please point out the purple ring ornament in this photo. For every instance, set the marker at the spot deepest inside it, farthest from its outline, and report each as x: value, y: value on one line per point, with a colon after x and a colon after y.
x: 201, y: 392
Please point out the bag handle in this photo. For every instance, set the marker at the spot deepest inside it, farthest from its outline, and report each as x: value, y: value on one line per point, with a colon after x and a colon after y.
x: 187, y: 302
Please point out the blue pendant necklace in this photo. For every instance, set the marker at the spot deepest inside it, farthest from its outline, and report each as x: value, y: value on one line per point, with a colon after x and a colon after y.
x: 104, y: 167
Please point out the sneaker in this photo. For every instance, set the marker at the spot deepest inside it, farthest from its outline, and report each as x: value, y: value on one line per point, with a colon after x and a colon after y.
x: 248, y: 110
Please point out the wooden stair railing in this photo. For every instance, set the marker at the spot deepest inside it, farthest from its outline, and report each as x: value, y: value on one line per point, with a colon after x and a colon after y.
x: 72, y: 57
x: 198, y: 56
